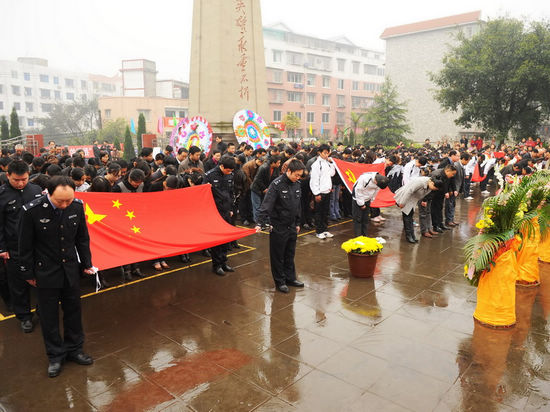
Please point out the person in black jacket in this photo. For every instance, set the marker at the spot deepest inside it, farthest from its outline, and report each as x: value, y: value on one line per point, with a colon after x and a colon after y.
x: 221, y: 179
x: 281, y: 210
x: 13, y: 195
x: 54, y: 245
x: 445, y: 175
x: 266, y: 174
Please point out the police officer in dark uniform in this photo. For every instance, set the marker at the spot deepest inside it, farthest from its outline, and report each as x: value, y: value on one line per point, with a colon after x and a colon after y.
x: 221, y: 179
x: 13, y: 195
x: 280, y: 210
x: 54, y: 245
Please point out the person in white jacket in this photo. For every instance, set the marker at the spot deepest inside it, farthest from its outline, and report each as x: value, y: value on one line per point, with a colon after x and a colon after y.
x: 320, y: 183
x: 364, y: 191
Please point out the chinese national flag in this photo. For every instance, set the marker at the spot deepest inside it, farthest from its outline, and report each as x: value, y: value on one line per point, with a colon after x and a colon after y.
x: 349, y: 172
x: 133, y: 227
x: 476, y: 176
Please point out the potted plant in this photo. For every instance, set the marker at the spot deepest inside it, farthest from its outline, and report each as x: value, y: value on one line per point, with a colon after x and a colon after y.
x: 491, y: 261
x: 362, y: 255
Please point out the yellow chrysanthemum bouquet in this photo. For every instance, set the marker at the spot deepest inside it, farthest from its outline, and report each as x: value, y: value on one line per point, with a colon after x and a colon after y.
x: 363, y: 245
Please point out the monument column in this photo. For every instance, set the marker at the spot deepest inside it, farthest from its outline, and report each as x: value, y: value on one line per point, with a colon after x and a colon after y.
x: 227, y: 62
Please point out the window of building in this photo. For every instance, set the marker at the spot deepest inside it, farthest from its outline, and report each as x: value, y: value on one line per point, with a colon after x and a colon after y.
x: 55, y: 80
x: 298, y: 115
x: 341, y: 100
x: 70, y: 96
x: 30, y: 122
x: 44, y: 78
x: 277, y: 116
x: 46, y: 107
x: 107, y: 113
x: 326, y: 99
x: 83, y: 84
x: 1, y: 105
x: 310, y: 117
x: 380, y: 71
x: 296, y: 59
x: 16, y: 90
x: 181, y: 113
x: 355, y: 67
x: 69, y: 83
x: 293, y: 77
x: 355, y: 85
x: 45, y: 94
x: 29, y: 107
x: 17, y: 106
x: 311, y: 98
x: 326, y: 81
x: 277, y: 56
x: 326, y: 117
x: 294, y: 96
x: 147, y: 114
x: 170, y: 113
x: 28, y: 91
x: 311, y: 79
x: 341, y: 84
x: 341, y: 65
x: 27, y: 76
x: 56, y: 94
x: 340, y: 117
x: 277, y: 76
x: 275, y: 95
x: 14, y: 74
x: 369, y: 69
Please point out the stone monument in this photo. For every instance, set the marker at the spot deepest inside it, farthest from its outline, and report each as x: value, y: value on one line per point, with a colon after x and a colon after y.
x: 227, y: 62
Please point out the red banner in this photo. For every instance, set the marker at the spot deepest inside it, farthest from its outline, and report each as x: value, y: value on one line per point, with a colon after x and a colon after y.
x: 476, y: 176
x: 350, y: 172
x: 133, y: 227
x: 88, y: 150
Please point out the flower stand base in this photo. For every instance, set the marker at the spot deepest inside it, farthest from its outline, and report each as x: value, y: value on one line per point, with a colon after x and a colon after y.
x: 362, y: 266
x: 544, y: 250
x: 527, y: 257
x: 496, y: 292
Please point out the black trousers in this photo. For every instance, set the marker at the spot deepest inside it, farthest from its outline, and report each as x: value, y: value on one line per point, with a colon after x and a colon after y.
x: 20, y: 290
x: 408, y: 223
x: 219, y: 255
x: 282, y: 247
x: 321, y: 213
x: 4, y: 285
x: 245, y: 207
x: 437, y: 210
x: 360, y: 218
x: 347, y: 201
x: 58, y: 348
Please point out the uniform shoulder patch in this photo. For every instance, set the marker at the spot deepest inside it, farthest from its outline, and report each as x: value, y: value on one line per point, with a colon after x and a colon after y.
x: 2, y: 188
x: 34, y: 203
x: 78, y: 201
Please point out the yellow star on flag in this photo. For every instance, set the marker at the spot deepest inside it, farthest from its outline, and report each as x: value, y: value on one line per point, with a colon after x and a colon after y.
x: 117, y: 204
x: 92, y: 217
x: 136, y: 229
x: 130, y: 214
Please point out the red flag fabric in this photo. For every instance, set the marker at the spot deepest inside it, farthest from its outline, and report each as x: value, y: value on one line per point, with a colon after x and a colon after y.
x: 476, y: 176
x: 133, y: 227
x: 349, y: 172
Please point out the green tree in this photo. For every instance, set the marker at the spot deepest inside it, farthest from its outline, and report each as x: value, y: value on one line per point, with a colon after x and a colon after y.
x: 129, y: 152
x: 291, y: 122
x: 78, y: 120
x: 14, y: 124
x: 140, y: 130
x: 113, y: 129
x: 499, y: 79
x: 386, y: 119
x: 5, y: 134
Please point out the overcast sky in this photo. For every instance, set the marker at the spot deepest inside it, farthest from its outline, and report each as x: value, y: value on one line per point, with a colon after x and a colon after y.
x: 95, y: 35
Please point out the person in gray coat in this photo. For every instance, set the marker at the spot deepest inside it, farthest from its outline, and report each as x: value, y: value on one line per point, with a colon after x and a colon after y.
x: 406, y: 197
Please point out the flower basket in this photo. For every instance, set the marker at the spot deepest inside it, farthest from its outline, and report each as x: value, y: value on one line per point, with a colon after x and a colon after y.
x: 362, y: 255
x: 528, y: 265
x: 361, y: 265
x: 496, y: 291
x: 544, y: 249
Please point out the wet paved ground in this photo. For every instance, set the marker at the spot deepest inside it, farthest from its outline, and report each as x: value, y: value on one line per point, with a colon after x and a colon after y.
x: 189, y: 340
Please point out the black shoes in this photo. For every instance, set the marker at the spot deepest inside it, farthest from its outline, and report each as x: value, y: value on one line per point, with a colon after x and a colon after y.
x: 27, y: 326
x: 246, y: 223
x: 411, y: 239
x: 227, y: 268
x: 235, y: 245
x: 438, y: 230
x: 445, y: 227
x: 295, y: 283
x: 185, y: 258
x: 218, y: 271
x: 127, y: 276
x: 137, y: 273
x: 283, y: 288
x: 81, y: 358
x: 206, y: 253
x: 54, y: 369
